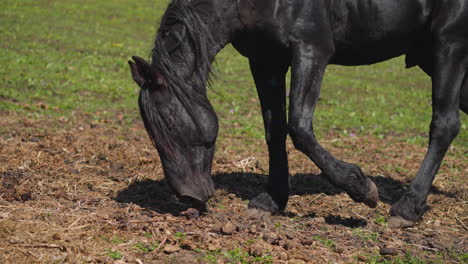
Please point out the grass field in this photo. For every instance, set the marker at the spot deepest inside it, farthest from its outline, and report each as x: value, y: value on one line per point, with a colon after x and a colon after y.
x: 64, y: 66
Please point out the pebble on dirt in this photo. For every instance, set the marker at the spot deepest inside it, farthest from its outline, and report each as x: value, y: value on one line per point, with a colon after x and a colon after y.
x: 228, y: 228
x: 388, y: 251
x: 169, y: 249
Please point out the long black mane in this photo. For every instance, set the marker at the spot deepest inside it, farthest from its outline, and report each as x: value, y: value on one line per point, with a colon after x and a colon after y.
x: 186, y: 71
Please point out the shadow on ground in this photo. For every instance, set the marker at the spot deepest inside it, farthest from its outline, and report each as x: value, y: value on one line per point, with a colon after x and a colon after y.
x: 156, y: 194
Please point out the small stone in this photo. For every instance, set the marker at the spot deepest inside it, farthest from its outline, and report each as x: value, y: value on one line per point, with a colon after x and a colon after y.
x: 271, y: 238
x: 362, y: 258
x: 216, y: 228
x: 256, y: 252
x: 56, y: 236
x: 253, y: 229
x: 293, y: 211
x: 290, y: 236
x: 180, y: 229
x: 228, y: 228
x: 169, y: 249
x: 282, y: 255
x: 101, y: 156
x: 191, y: 213
x: 388, y: 251
x: 338, y: 249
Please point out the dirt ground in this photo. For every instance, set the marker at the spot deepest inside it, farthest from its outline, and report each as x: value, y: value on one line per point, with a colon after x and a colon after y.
x: 93, y: 192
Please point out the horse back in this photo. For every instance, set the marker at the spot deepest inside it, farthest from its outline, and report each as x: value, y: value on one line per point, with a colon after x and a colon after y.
x: 369, y: 31
x: 359, y: 32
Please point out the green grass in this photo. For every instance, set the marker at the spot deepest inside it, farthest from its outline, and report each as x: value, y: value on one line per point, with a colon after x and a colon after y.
x: 235, y: 256
x: 114, y: 254
x: 146, y: 248
x: 326, y: 242
x: 63, y: 57
x: 407, y: 258
x: 366, y: 235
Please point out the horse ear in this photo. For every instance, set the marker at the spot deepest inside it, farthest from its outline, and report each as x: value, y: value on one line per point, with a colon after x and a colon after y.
x: 142, y: 71
x: 135, y: 74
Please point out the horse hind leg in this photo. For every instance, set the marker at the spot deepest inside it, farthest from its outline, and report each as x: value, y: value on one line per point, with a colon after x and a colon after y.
x: 448, y: 79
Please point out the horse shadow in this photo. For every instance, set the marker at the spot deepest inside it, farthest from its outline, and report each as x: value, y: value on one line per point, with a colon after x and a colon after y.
x: 156, y: 194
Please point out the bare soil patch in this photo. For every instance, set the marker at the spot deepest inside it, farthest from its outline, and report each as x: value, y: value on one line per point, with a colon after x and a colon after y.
x: 94, y: 192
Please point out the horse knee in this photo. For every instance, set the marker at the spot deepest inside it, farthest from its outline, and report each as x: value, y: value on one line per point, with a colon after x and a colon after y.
x: 445, y: 129
x: 277, y: 137
x: 300, y: 135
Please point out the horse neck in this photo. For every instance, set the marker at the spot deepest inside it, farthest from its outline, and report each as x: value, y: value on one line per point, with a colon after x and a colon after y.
x: 220, y: 18
x: 223, y: 18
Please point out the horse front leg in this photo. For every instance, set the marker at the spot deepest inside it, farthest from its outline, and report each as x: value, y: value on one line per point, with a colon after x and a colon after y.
x: 270, y: 82
x: 308, y: 67
x: 447, y: 81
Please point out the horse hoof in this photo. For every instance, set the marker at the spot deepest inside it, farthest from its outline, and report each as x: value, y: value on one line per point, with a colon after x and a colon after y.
x: 399, y: 222
x: 264, y: 202
x: 372, y: 197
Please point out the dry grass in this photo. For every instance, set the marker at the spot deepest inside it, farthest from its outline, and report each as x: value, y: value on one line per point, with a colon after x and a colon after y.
x: 94, y: 193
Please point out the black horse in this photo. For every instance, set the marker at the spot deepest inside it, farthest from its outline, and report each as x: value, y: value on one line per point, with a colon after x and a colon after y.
x: 305, y: 35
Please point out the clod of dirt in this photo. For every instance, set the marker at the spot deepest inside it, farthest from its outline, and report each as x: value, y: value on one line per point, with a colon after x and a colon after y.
x: 228, y: 228
x: 362, y: 258
x: 253, y: 229
x: 101, y: 156
x: 271, y: 238
x: 256, y: 252
x: 191, y: 213
x: 56, y: 236
x: 282, y: 255
x: 388, y: 251
x: 216, y: 228
x: 15, y: 186
x: 33, y: 139
x: 169, y: 249
x: 60, y: 193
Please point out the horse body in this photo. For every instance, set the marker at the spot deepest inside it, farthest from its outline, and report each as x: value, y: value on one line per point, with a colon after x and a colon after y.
x: 305, y: 36
x: 360, y: 32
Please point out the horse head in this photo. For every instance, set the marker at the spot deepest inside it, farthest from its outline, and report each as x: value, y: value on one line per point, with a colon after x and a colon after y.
x: 182, y: 126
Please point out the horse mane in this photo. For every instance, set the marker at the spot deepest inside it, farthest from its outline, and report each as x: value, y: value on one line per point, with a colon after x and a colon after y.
x: 186, y: 76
